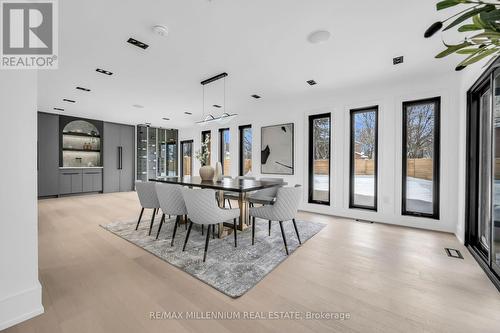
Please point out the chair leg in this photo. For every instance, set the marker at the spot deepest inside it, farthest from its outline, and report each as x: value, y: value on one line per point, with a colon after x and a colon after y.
x: 284, y: 238
x: 253, y: 230
x: 202, y: 229
x: 235, y: 236
x: 186, y: 222
x: 206, y: 243
x: 229, y: 202
x: 140, y: 217
x: 187, y: 235
x: 152, y: 220
x: 269, y: 227
x: 177, y: 219
x: 296, y: 231
x: 213, y: 231
x: 161, y: 223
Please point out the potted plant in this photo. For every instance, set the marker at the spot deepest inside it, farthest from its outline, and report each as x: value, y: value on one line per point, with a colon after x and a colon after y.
x: 203, y: 155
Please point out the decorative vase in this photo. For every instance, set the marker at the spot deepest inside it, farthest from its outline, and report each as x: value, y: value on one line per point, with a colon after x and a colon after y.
x: 207, y: 172
x: 218, y: 172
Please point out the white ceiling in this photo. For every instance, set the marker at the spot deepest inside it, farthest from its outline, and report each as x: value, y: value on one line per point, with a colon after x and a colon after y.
x: 262, y: 44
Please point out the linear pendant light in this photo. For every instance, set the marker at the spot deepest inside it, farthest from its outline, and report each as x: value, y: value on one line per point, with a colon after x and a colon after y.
x: 210, y: 118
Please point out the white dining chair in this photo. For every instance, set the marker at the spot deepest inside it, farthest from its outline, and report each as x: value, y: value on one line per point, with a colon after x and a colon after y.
x: 284, y: 209
x: 202, y: 209
x: 228, y: 195
x: 148, y: 199
x: 171, y: 203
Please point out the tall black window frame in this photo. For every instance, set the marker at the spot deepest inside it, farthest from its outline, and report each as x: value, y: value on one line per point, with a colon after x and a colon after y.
x: 204, y: 135
x: 241, y: 147
x: 312, y: 118
x: 352, y: 165
x: 436, y: 154
x: 182, y: 156
x: 221, y: 146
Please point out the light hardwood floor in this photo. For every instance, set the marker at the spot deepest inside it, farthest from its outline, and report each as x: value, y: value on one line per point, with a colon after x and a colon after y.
x: 390, y: 279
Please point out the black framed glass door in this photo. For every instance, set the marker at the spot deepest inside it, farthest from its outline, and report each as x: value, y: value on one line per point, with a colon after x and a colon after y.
x: 483, y: 173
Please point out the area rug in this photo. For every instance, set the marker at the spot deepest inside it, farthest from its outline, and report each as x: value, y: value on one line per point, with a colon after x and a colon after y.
x: 232, y: 271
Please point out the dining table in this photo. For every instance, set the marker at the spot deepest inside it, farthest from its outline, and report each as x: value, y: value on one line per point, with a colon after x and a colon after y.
x: 243, y: 187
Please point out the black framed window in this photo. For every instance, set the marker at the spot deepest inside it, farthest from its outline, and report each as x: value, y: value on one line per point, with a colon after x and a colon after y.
x: 363, y: 158
x: 319, y: 158
x: 421, y: 141
x: 186, y: 158
x: 224, y: 152
x: 245, y: 150
x: 206, y: 136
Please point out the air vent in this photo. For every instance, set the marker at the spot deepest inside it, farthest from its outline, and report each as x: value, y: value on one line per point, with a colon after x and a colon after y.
x: 137, y: 43
x: 138, y: 106
x: 69, y: 100
x: 58, y: 109
x: 188, y: 113
x: 398, y: 60
x: 256, y: 96
x: 103, y: 71
x: 217, y: 106
x: 84, y: 89
x: 311, y: 82
x: 453, y: 253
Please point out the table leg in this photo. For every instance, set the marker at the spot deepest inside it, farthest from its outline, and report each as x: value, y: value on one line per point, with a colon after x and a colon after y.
x: 244, y: 211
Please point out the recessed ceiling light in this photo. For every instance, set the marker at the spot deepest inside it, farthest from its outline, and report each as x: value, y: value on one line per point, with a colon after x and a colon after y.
x: 68, y: 100
x: 397, y: 60
x: 256, y: 96
x: 160, y: 30
x: 81, y: 88
x: 58, y: 109
x: 137, y: 43
x: 138, y: 106
x: 217, y: 106
x: 319, y: 36
x: 189, y: 113
x: 165, y: 118
x: 103, y: 71
x: 311, y: 82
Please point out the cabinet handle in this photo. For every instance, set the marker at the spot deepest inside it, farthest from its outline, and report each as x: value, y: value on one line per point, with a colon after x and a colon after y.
x: 120, y: 157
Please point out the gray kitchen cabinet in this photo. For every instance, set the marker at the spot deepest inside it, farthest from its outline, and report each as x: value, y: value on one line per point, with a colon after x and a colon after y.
x: 119, y: 158
x: 48, y: 154
x: 70, y: 181
x: 92, y: 180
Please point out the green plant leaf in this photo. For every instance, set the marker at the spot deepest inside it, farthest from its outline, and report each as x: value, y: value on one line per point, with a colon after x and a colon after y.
x: 488, y: 35
x: 470, y: 14
x: 491, y: 16
x: 452, y: 49
x: 468, y: 51
x: 469, y: 27
x: 446, y: 4
x: 481, y: 55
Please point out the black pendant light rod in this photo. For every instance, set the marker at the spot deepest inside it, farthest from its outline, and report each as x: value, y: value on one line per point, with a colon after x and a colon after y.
x: 214, y: 78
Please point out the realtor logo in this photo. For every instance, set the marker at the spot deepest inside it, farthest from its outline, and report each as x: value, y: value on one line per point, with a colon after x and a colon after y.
x: 29, y: 34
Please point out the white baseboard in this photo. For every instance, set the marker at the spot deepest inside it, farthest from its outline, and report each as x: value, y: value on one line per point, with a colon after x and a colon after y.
x: 21, y: 306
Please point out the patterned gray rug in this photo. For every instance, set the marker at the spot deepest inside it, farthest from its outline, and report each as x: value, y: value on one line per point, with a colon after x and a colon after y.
x: 232, y: 271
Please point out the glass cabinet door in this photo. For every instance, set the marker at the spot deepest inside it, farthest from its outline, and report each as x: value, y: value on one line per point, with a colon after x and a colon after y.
x: 152, y: 153
x: 162, y: 152
x: 494, y: 228
x: 142, y: 153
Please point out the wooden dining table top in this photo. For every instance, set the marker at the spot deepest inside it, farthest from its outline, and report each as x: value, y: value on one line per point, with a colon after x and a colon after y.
x: 226, y: 184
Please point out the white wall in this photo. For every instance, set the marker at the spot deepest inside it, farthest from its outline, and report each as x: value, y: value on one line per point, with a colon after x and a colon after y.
x: 389, y: 95
x: 20, y: 291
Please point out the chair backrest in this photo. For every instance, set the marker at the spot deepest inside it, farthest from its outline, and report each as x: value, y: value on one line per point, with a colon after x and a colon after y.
x: 201, y: 205
x: 146, y: 192
x: 287, y: 203
x: 171, y: 199
x: 268, y: 192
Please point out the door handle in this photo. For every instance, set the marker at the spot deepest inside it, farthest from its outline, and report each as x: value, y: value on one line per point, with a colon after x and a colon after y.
x: 120, y: 157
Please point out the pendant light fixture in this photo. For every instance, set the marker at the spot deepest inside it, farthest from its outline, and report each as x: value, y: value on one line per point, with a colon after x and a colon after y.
x: 225, y: 117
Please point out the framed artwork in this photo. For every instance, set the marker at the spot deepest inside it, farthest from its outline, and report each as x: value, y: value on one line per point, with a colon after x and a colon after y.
x: 276, y: 155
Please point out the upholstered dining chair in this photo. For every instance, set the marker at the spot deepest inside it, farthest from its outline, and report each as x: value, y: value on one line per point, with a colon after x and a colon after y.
x: 284, y: 209
x: 266, y: 196
x: 146, y: 192
x: 202, y: 209
x: 171, y: 203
